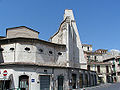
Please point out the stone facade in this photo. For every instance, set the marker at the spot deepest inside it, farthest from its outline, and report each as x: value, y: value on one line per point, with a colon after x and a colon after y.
x: 103, y: 71
x: 115, y: 67
x: 113, y: 57
x: 32, y: 50
x: 68, y: 35
x: 95, y: 63
x: 34, y: 64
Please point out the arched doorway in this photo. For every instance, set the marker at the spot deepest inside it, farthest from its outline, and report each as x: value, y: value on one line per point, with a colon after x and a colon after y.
x: 24, y: 82
x: 60, y: 82
x: 86, y: 80
x: 81, y: 80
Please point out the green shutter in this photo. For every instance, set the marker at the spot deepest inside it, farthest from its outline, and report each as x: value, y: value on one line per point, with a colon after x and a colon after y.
x: 114, y: 69
x: 113, y: 62
x: 119, y: 61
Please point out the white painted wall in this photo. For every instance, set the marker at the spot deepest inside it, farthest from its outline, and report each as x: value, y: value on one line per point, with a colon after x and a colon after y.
x: 19, y: 54
x: 7, y: 55
x: 34, y: 73
x: 70, y: 37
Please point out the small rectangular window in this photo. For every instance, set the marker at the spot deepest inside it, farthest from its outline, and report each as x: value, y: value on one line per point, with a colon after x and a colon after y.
x: 107, y: 69
x: 98, y: 69
x: 118, y: 73
x: 88, y: 48
x: 74, y: 81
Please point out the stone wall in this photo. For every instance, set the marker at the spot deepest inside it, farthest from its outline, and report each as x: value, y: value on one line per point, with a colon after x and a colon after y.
x: 68, y: 35
x: 21, y: 32
x: 34, y: 72
x: 34, y: 52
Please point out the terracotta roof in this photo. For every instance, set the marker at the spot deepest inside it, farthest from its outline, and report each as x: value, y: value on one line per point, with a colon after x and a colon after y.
x: 102, y: 50
x: 86, y: 45
x: 92, y: 53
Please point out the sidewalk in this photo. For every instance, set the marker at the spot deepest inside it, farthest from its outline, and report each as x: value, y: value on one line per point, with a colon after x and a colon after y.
x: 101, y: 85
x: 93, y: 87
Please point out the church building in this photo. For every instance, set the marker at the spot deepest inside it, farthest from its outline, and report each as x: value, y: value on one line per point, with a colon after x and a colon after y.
x: 29, y: 63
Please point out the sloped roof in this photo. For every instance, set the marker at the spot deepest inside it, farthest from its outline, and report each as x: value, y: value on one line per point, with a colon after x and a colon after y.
x: 86, y: 45
x: 101, y: 50
x: 21, y: 27
x: 2, y: 37
x: 22, y: 39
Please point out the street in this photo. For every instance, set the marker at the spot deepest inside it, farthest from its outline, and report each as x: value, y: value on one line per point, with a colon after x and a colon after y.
x: 114, y: 86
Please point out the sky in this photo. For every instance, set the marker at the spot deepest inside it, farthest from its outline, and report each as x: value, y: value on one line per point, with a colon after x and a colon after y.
x: 98, y: 21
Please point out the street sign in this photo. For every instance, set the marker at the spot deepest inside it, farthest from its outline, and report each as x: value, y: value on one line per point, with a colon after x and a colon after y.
x: 32, y: 80
x: 5, y: 73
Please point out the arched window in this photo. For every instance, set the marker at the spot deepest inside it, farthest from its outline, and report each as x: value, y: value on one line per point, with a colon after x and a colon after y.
x: 86, y: 79
x: 24, y: 82
x: 88, y: 67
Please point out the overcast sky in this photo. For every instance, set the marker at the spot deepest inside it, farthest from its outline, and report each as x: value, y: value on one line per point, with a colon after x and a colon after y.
x: 98, y: 21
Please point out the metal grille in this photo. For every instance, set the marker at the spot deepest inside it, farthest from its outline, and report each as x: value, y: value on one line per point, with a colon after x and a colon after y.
x: 44, y: 82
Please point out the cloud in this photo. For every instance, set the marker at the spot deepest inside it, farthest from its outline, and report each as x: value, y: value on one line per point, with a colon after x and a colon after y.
x: 115, y: 50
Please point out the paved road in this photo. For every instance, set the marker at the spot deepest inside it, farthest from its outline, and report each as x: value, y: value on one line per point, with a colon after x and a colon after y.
x: 114, y: 86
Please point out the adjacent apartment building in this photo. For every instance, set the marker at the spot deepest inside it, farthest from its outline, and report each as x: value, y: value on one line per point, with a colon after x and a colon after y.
x: 113, y: 57
x: 29, y: 63
x: 95, y: 63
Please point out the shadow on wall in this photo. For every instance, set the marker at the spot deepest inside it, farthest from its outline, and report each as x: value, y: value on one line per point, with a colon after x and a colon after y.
x: 1, y: 55
x: 11, y: 84
x: 74, y: 50
x: 40, y: 52
x: 59, y: 54
x: 50, y: 55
